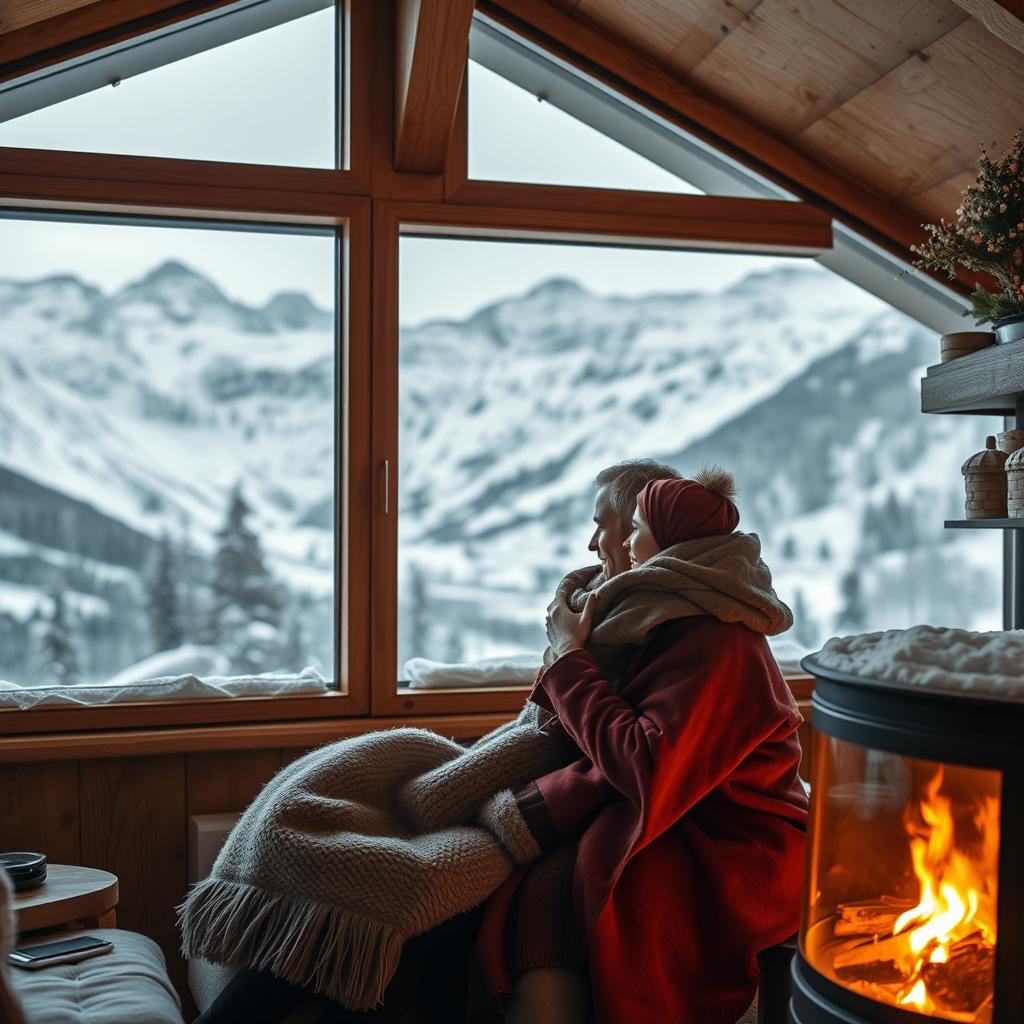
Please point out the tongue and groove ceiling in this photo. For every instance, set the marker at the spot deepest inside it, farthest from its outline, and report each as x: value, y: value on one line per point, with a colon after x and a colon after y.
x: 895, y: 95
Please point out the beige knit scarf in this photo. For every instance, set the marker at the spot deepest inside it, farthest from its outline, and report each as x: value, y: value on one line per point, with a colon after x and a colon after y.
x: 724, y: 577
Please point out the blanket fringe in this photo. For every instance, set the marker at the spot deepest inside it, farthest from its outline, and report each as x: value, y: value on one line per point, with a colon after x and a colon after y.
x: 345, y: 956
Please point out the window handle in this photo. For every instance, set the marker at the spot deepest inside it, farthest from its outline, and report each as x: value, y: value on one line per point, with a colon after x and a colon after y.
x: 387, y: 486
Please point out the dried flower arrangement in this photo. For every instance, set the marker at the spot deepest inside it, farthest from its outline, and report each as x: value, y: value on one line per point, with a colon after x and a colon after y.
x: 988, y: 235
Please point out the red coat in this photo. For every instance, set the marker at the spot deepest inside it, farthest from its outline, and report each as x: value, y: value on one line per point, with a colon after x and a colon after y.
x: 693, y: 819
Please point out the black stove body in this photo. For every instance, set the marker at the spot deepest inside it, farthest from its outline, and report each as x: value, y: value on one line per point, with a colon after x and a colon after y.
x: 914, y: 884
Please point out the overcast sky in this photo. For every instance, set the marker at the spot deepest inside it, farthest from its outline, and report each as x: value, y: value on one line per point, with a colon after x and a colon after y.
x: 267, y: 98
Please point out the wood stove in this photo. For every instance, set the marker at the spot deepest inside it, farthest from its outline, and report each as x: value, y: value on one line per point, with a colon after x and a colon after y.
x: 914, y: 885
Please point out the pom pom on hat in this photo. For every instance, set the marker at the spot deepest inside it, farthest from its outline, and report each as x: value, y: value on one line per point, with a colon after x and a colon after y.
x: 716, y: 480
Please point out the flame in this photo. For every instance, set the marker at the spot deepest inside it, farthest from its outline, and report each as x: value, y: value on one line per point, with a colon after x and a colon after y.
x: 957, y: 890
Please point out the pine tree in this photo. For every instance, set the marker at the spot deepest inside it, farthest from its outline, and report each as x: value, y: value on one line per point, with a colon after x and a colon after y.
x: 164, y: 609
x: 188, y: 561
x: 852, y: 617
x: 59, y: 658
x: 245, y: 618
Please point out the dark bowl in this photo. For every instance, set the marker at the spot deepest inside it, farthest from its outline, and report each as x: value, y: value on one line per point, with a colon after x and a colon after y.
x: 25, y: 882
x: 23, y: 863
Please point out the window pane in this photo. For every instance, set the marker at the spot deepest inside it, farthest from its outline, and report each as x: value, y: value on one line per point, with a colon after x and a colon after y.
x: 167, y: 454
x: 515, y: 137
x: 526, y: 368
x: 265, y: 98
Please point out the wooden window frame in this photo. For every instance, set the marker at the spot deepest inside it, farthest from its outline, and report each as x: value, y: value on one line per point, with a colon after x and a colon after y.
x: 369, y: 203
x: 349, y: 216
x: 676, y: 222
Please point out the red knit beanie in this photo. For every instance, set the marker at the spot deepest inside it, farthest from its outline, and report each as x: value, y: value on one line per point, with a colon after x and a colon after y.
x: 678, y: 510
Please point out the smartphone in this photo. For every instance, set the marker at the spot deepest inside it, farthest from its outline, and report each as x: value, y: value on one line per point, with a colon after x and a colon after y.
x: 67, y: 951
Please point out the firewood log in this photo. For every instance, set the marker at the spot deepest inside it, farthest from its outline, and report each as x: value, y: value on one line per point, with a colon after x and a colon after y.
x: 896, y: 949
x: 866, y: 919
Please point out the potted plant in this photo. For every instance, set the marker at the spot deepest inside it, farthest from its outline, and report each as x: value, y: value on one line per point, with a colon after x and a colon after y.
x: 988, y: 236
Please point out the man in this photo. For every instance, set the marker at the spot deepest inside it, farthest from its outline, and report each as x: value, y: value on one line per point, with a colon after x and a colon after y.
x: 614, y: 504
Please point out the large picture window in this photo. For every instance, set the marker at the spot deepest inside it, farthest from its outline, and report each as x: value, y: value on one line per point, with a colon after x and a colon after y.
x: 167, y: 455
x: 525, y: 368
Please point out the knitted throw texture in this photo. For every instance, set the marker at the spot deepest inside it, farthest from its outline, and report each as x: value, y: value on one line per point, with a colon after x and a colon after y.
x: 361, y: 844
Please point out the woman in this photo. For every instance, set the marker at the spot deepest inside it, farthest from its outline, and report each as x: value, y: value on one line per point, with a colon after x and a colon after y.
x: 676, y: 837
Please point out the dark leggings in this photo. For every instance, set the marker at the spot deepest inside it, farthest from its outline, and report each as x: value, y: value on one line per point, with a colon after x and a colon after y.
x: 431, y: 975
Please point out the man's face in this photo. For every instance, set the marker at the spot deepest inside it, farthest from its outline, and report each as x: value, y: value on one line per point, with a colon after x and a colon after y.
x: 608, y: 536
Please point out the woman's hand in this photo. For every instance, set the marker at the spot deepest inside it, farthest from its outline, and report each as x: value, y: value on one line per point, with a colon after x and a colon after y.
x: 568, y: 631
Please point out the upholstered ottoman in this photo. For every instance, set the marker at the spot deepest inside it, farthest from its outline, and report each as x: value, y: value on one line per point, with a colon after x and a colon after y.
x: 128, y: 985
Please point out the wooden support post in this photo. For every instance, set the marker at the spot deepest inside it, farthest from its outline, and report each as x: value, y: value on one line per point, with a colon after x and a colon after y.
x: 431, y: 50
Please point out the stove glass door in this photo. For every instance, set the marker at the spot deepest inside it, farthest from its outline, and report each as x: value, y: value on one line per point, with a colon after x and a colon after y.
x: 903, y: 858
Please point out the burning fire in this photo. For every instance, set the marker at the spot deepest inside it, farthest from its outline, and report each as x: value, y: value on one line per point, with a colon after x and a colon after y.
x: 957, y: 902
x: 937, y: 956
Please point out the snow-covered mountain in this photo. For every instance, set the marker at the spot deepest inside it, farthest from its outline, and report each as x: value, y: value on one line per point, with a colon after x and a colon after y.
x: 151, y: 403
x: 127, y: 415
x: 802, y: 384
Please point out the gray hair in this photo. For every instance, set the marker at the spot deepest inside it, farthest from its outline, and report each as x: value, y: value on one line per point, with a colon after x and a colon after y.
x: 625, y: 480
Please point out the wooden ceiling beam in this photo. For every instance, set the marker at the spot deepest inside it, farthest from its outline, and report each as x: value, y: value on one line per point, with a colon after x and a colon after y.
x: 605, y: 59
x: 1003, y: 18
x: 431, y: 50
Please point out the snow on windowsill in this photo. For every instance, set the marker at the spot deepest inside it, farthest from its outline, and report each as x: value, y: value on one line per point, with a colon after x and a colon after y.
x: 182, y: 687
x: 950, y: 660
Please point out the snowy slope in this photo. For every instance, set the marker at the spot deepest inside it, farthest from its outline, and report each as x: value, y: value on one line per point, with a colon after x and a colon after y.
x: 150, y: 404
x: 556, y: 381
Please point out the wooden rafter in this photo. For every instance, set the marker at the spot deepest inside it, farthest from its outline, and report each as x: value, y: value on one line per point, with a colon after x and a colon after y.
x: 1003, y: 18
x: 431, y: 49
x: 35, y: 35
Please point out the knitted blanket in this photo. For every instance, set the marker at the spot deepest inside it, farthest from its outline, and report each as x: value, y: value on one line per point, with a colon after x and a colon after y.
x: 361, y: 844
x: 724, y: 577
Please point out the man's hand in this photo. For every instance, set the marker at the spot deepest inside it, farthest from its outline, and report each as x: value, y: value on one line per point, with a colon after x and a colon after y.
x: 568, y: 631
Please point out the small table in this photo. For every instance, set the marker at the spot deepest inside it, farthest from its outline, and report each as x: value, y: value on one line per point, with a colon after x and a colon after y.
x: 71, y: 896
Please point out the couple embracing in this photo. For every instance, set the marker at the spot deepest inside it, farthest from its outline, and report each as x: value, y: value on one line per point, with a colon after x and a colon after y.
x: 620, y: 852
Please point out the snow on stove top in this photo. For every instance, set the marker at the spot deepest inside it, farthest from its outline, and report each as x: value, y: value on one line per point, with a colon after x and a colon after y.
x: 952, y: 660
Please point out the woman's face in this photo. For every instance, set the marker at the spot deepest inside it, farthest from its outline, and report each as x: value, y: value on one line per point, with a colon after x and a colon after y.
x: 640, y: 544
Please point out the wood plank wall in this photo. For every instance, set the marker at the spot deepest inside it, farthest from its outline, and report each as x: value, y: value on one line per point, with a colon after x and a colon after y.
x: 130, y: 816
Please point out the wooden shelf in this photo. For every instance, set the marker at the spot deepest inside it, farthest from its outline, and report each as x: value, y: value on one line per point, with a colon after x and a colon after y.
x: 987, y: 382
x: 985, y: 524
